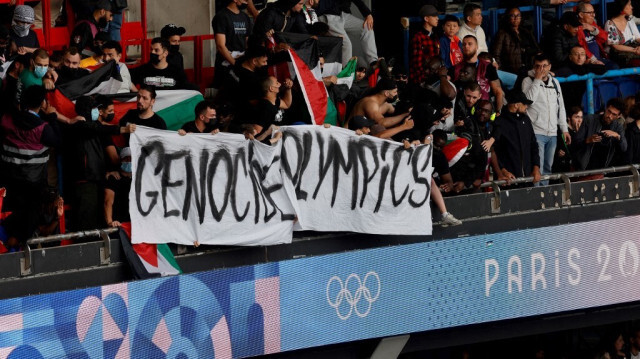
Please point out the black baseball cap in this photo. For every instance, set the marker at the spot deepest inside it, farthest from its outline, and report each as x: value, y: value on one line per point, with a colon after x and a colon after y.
x: 170, y: 30
x: 104, y: 5
x: 358, y: 122
x: 516, y: 96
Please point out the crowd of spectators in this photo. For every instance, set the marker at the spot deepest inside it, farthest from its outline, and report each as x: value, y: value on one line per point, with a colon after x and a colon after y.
x: 452, y: 90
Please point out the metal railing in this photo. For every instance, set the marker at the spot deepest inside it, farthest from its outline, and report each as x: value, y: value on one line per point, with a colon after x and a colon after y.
x: 105, y: 251
x: 590, y: 77
x: 566, y: 179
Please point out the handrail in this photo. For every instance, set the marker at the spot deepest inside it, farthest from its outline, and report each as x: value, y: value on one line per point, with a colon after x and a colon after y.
x: 105, y: 251
x: 591, y: 76
x: 556, y: 176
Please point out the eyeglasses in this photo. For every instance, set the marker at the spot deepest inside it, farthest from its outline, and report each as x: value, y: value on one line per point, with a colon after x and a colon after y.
x: 515, y: 16
x: 588, y: 12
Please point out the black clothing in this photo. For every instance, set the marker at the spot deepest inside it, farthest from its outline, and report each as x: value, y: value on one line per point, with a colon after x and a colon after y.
x: 66, y: 74
x: 31, y: 40
x: 169, y: 78
x: 471, y: 166
x: 440, y: 163
x: 335, y: 7
x: 275, y: 18
x: 121, y: 188
x: 190, y: 127
x: 586, y: 158
x: 235, y: 27
x: 249, y: 82
x: 85, y: 152
x: 8, y: 95
x: 267, y: 114
x: 176, y: 60
x: 132, y: 116
x: 632, y: 156
x: 516, y: 147
x: 558, y: 44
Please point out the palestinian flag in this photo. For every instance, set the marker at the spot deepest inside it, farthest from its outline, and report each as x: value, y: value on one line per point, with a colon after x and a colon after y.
x: 348, y: 74
x: 104, y: 80
x: 147, y: 260
x: 314, y: 92
x: 309, y: 49
x: 176, y: 107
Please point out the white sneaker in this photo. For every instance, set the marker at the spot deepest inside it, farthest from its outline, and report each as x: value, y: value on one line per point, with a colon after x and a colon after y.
x: 449, y: 220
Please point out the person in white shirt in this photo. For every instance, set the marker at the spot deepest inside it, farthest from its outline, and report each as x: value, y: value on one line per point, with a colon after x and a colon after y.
x: 111, y: 50
x: 472, y: 26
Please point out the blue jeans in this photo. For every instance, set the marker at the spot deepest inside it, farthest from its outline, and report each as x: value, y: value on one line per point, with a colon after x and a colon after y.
x: 546, y: 149
x: 114, y: 27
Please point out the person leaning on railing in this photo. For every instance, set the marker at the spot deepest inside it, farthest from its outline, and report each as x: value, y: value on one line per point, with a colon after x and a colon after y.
x: 632, y: 134
x: 600, y: 137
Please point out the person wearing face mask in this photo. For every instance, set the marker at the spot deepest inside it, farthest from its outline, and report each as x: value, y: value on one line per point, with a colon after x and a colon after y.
x: 22, y: 35
x: 231, y: 28
x: 380, y: 103
x: 205, y: 122
x: 85, y: 31
x: 172, y: 33
x: 70, y: 69
x: 116, y: 192
x: 87, y: 159
x: 38, y: 73
x: 158, y: 72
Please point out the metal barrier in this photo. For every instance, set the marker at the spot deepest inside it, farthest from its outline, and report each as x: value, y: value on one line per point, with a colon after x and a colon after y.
x: 590, y: 77
x: 105, y: 251
x: 566, y: 179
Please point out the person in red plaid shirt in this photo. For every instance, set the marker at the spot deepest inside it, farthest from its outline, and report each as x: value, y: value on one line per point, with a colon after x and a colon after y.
x: 424, y: 45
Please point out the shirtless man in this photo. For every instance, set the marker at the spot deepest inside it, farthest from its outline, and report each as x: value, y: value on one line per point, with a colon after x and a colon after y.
x: 379, y: 104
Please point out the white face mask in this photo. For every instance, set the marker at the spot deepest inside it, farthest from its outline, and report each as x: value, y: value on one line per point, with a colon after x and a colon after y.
x: 21, y: 30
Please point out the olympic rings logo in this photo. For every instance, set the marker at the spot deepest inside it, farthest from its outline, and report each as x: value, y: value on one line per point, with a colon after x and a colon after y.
x: 347, y: 295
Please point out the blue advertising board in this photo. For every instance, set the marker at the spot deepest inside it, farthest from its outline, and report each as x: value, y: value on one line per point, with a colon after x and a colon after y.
x: 308, y: 302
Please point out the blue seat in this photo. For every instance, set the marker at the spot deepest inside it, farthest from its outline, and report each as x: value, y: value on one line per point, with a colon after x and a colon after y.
x: 607, y: 89
x: 597, y: 104
x: 628, y: 86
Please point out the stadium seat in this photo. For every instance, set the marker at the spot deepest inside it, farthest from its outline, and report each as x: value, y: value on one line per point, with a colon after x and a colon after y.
x: 596, y: 100
x: 607, y: 90
x: 628, y: 86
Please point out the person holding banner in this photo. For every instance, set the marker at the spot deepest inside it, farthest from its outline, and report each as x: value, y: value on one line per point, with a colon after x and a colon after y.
x: 205, y: 121
x: 143, y: 114
x: 270, y: 109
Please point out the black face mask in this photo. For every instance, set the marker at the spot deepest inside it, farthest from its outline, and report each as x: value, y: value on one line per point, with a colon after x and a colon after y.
x: 102, y: 22
x: 393, y: 99
x: 242, y: 7
x: 110, y: 117
x: 154, y: 58
x: 174, y: 48
x: 69, y: 72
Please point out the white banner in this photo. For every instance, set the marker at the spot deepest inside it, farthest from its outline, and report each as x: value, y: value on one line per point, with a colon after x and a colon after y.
x: 205, y: 188
x: 339, y: 181
x: 224, y: 190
